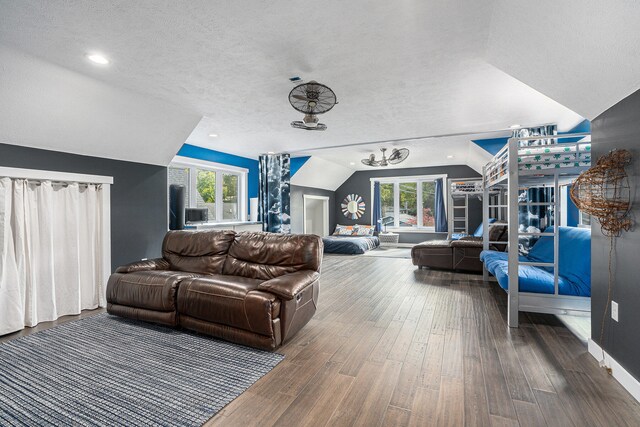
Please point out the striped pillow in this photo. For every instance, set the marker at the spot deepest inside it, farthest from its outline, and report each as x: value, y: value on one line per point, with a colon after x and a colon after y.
x: 364, y: 230
x: 344, y: 230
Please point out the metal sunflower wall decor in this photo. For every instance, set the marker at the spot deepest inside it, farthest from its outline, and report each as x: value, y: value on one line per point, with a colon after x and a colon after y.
x: 353, y: 206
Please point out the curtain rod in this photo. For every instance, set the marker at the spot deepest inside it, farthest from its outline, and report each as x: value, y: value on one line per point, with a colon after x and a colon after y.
x: 39, y: 182
x: 44, y: 175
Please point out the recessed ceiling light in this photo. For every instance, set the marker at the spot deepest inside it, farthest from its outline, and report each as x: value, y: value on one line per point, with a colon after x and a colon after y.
x: 352, y: 163
x: 98, y: 59
x: 271, y: 152
x: 213, y: 135
x: 450, y: 156
x: 514, y: 126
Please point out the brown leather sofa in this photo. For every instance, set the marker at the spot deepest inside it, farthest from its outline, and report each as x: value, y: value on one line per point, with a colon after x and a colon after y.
x: 251, y: 288
x: 463, y: 254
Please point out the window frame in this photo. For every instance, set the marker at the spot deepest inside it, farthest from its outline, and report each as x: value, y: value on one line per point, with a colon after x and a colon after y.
x: 419, y: 179
x: 220, y: 169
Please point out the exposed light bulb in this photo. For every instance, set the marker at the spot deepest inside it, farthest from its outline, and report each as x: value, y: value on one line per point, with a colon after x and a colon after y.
x: 98, y: 59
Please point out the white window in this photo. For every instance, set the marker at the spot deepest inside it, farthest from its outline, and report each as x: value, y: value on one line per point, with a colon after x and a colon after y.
x: 584, y: 220
x: 221, y: 189
x: 408, y: 203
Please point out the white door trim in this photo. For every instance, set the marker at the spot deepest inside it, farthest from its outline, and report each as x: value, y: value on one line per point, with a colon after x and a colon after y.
x: 325, y: 212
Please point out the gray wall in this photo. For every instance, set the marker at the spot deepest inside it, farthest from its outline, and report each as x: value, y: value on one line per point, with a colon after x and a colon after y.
x: 618, y: 127
x: 297, y: 211
x: 138, y: 196
x: 360, y: 183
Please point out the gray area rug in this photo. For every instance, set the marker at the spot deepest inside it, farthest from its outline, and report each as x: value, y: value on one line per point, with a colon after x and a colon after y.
x: 109, y: 371
x: 389, y: 252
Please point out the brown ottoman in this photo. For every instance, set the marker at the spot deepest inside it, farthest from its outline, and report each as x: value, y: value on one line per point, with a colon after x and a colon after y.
x: 466, y: 254
x: 433, y: 254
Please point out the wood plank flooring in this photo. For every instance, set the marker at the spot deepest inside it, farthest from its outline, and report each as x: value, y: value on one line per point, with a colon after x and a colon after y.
x: 391, y: 345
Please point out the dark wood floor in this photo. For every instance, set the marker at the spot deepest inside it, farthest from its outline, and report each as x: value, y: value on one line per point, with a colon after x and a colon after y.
x: 47, y: 325
x: 395, y: 346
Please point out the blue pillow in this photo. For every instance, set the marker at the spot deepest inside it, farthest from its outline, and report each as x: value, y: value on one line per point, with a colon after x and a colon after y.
x: 479, y: 230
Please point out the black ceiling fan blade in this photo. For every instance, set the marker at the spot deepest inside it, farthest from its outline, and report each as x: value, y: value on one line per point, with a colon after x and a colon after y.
x: 300, y: 97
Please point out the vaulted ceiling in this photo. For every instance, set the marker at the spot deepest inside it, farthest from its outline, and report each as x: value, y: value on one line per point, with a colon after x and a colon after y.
x: 182, y: 70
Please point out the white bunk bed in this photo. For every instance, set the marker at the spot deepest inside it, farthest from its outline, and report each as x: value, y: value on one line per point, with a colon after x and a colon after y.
x: 521, y: 164
x: 460, y: 190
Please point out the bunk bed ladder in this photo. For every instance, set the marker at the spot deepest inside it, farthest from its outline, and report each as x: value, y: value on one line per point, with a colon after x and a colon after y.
x: 514, y: 236
x: 458, y: 214
x: 513, y: 233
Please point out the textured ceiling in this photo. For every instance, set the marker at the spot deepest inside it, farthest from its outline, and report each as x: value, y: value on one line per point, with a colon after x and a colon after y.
x: 399, y: 69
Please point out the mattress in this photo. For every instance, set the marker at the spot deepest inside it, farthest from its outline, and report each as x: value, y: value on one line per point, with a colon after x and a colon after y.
x: 531, y: 279
x: 574, y: 264
x: 543, y: 157
x: 349, y: 245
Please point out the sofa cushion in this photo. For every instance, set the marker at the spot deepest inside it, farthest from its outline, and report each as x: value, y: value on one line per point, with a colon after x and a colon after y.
x: 152, y: 290
x: 433, y: 244
x: 434, y: 254
x: 472, y: 242
x: 197, y: 251
x: 229, y: 300
x: 267, y: 255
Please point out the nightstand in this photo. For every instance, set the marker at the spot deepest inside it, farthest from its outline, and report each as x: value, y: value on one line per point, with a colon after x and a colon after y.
x: 389, y: 239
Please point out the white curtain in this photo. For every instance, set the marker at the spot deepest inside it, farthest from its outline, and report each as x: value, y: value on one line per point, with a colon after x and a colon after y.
x: 51, y: 261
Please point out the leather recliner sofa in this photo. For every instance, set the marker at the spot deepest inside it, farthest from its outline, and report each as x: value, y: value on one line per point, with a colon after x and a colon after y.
x: 251, y: 288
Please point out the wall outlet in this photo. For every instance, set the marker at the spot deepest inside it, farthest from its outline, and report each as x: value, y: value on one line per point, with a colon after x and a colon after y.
x: 614, y: 310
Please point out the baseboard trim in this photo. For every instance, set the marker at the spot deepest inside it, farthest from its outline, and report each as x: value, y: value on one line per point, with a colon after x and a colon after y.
x: 627, y: 380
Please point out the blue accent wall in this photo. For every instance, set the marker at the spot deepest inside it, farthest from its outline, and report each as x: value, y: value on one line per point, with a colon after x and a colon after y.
x: 492, y: 145
x: 208, y: 155
x: 297, y: 163
x: 573, y: 213
x: 227, y: 159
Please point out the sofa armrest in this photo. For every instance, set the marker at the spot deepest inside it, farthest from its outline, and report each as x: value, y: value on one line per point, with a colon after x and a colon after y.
x: 289, y: 285
x: 146, y: 265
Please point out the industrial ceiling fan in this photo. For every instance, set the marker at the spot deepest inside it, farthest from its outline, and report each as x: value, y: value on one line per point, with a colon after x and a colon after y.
x: 397, y: 155
x: 311, y: 99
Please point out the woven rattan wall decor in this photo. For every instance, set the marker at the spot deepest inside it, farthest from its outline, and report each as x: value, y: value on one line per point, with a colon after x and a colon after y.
x: 603, y: 191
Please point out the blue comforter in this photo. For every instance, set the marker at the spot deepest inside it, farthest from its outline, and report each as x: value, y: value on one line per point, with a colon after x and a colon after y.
x: 349, y: 245
x: 574, y: 274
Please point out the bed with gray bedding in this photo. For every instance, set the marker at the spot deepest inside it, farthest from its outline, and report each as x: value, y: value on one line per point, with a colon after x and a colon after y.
x: 349, y: 245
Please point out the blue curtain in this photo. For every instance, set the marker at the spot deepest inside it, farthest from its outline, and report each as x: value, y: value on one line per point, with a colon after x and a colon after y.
x: 377, y: 207
x: 273, y: 197
x: 441, y: 213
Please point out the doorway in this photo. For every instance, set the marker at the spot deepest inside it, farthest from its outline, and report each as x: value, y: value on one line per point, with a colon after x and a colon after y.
x: 316, y: 215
